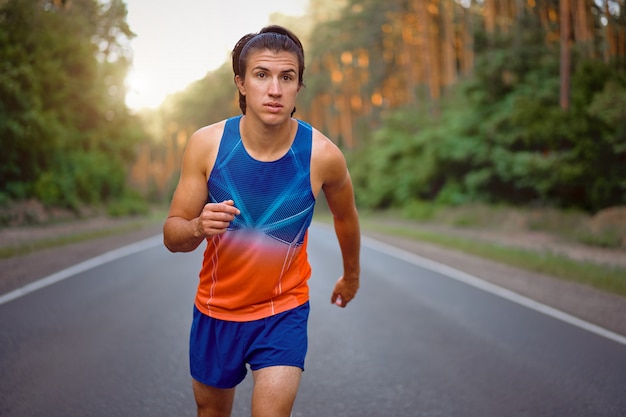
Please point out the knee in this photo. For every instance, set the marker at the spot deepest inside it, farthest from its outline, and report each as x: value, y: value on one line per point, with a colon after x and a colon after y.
x: 206, y: 410
x: 213, y: 402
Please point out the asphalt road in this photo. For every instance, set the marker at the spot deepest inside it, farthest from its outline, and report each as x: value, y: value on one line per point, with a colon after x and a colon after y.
x: 112, y: 341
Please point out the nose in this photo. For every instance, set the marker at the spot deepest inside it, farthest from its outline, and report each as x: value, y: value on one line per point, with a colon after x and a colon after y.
x: 275, y: 88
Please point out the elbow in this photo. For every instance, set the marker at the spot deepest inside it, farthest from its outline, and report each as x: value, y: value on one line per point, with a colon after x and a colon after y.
x: 168, y: 241
x: 176, y: 247
x: 176, y: 237
x: 169, y: 238
x: 168, y: 245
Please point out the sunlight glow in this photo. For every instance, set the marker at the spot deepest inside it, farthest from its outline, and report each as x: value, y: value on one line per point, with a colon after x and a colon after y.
x: 178, y: 43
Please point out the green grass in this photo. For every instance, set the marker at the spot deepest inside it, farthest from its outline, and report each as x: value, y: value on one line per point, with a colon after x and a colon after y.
x: 604, y: 277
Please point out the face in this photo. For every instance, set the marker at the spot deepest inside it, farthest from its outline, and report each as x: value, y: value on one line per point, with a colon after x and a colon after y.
x: 270, y: 85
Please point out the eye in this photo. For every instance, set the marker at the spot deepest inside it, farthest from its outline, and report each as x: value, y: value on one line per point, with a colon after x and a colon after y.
x: 261, y: 75
x: 287, y: 78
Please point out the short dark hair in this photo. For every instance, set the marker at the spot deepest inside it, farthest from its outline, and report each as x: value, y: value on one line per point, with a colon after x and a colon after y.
x: 275, y: 38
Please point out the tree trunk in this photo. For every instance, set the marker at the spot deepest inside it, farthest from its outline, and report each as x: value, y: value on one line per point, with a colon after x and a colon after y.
x: 490, y: 16
x: 582, y: 26
x: 449, y: 55
x: 467, y: 42
x: 610, y: 44
x: 565, y: 53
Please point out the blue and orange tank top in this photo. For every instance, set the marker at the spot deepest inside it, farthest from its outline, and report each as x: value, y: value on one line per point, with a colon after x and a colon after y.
x: 259, y: 267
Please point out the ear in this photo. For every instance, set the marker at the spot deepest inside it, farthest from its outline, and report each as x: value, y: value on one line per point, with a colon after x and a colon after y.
x: 239, y: 82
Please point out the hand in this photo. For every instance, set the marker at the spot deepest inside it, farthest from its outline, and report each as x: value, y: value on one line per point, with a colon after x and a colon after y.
x: 344, y: 292
x: 216, y: 217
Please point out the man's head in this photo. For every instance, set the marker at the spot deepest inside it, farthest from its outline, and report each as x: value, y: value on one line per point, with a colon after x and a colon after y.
x: 273, y: 38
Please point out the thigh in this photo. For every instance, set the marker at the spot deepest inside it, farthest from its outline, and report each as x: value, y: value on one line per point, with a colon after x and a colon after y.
x: 275, y: 390
x: 216, y: 351
x: 213, y: 402
x: 281, y: 340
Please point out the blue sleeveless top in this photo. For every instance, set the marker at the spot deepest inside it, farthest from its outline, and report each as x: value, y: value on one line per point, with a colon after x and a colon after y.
x: 273, y: 197
x: 259, y: 267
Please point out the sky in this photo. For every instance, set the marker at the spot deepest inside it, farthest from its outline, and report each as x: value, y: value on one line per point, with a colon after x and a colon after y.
x: 178, y: 42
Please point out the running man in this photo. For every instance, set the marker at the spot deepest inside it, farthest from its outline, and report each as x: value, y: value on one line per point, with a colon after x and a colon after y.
x: 248, y: 186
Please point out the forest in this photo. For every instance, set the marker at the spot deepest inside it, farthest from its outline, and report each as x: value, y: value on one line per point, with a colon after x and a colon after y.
x: 68, y: 138
x: 517, y: 102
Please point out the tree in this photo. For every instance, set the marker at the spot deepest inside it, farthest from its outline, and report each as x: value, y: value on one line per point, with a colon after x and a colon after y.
x: 565, y: 53
x: 63, y: 66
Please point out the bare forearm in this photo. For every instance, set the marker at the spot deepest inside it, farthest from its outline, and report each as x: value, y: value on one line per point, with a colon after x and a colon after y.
x: 181, y: 235
x: 349, y: 237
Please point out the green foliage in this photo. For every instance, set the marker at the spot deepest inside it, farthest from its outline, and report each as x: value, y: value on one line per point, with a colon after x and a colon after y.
x: 604, y: 239
x: 131, y: 204
x: 419, y: 210
x: 88, y: 178
x: 54, y: 190
x: 397, y: 166
x: 502, y: 138
x: 65, y: 130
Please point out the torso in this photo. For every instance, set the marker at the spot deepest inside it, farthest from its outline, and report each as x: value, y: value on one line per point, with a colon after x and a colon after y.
x: 213, y: 135
x: 259, y: 267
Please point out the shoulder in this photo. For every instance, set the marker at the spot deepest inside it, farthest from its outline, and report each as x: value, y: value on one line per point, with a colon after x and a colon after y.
x: 202, y: 147
x: 207, y: 136
x: 327, y: 160
x: 323, y: 149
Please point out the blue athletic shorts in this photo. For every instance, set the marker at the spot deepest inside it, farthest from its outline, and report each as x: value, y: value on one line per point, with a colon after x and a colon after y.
x: 219, y: 350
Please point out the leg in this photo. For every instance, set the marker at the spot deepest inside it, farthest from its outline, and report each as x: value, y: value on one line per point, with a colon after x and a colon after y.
x: 213, y: 402
x: 275, y: 390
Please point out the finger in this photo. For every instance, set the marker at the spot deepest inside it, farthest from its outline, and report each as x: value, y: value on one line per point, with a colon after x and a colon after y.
x: 213, y: 218
x: 223, y: 207
x: 230, y: 207
x: 339, y: 301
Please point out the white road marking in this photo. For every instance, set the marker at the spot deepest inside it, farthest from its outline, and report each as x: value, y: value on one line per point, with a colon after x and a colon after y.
x: 82, y: 267
x: 367, y: 241
x: 490, y: 288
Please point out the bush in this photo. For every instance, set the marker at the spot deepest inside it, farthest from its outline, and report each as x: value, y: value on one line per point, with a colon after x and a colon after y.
x: 516, y: 146
x: 55, y: 189
x: 419, y: 210
x: 82, y: 178
x: 130, y: 204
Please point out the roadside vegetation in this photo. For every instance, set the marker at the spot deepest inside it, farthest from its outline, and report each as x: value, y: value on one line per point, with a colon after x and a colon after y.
x: 62, y: 240
x: 73, y: 232
x: 456, y: 228
x: 68, y: 139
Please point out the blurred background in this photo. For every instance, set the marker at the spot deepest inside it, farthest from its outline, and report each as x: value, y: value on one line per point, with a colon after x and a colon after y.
x: 436, y: 104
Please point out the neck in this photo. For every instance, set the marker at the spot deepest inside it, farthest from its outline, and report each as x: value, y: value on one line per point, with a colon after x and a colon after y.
x: 266, y: 142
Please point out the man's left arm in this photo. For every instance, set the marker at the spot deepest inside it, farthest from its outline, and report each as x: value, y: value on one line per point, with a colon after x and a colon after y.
x: 339, y: 194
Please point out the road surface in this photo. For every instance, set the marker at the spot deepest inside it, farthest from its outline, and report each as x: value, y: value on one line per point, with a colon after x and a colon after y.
x: 110, y: 339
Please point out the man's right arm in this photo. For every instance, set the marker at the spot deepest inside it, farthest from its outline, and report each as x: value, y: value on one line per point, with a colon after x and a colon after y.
x: 190, y: 219
x: 183, y: 235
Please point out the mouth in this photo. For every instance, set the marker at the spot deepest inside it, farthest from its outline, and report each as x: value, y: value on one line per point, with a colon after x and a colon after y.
x: 273, y: 107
